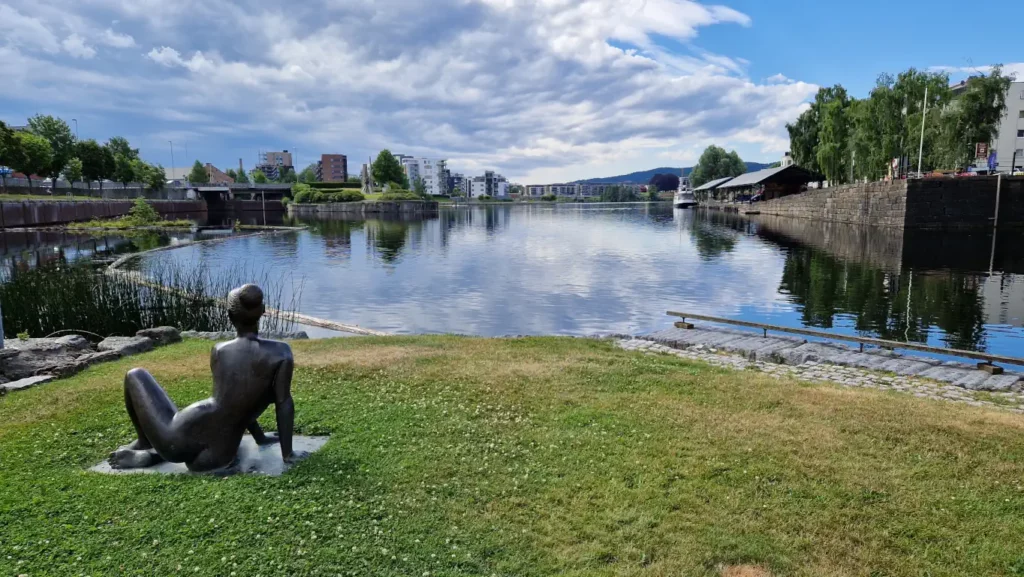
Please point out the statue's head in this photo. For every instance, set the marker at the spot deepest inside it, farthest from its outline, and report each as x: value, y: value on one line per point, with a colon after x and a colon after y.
x: 245, y: 308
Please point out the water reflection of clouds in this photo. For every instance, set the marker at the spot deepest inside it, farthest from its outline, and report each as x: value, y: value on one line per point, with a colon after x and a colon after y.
x: 519, y: 270
x: 571, y: 270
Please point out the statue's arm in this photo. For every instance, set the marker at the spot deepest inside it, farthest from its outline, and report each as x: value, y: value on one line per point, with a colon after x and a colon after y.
x: 285, y: 407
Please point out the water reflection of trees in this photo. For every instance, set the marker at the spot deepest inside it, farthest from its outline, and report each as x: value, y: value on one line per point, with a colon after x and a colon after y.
x: 716, y: 233
x: 387, y: 238
x: 898, y: 306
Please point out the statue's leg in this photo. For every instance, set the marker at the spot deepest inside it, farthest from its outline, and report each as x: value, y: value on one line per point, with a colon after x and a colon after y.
x: 151, y: 412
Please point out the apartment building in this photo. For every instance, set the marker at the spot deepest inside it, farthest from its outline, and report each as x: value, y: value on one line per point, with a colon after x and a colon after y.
x: 332, y: 168
x: 490, y: 184
x: 279, y: 159
x: 1009, y: 141
x: 432, y: 172
x: 458, y: 184
x: 272, y: 163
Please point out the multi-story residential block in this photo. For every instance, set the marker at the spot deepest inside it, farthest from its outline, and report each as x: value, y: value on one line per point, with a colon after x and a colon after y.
x: 283, y: 158
x: 1009, y: 143
x: 431, y: 172
x: 332, y: 168
x: 490, y: 184
x: 272, y: 163
x: 458, y: 184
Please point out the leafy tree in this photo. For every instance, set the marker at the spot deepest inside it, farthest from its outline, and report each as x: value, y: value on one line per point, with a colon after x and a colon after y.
x: 36, y: 156
x: 287, y: 176
x: 259, y: 178
x: 62, y: 142
x: 232, y: 174
x: 618, y: 194
x: 119, y: 145
x: 155, y: 177
x: 73, y: 171
x: 386, y: 168
x: 124, y: 169
x: 804, y: 135
x: 973, y: 117
x: 308, y: 174
x: 10, y: 150
x: 241, y: 177
x: 419, y: 187
x: 92, y: 157
x: 198, y: 174
x: 833, y: 140
x: 664, y: 182
x: 109, y: 165
x: 716, y: 163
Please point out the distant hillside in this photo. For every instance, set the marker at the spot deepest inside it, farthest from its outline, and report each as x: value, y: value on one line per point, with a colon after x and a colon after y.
x: 645, y: 176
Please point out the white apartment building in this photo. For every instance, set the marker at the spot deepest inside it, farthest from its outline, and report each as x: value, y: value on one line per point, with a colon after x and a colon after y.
x: 490, y: 184
x: 432, y: 172
x: 1010, y: 139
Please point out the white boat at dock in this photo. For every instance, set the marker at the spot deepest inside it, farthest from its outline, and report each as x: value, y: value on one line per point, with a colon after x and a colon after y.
x: 684, y: 196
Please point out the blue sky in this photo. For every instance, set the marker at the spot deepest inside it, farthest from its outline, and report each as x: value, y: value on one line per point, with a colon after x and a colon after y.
x: 540, y: 90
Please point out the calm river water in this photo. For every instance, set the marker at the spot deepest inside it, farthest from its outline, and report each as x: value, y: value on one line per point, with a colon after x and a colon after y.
x: 580, y: 270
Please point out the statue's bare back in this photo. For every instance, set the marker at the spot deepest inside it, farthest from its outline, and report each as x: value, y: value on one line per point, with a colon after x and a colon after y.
x: 249, y: 375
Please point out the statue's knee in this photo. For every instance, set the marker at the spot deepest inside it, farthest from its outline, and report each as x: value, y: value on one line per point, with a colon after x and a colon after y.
x: 136, y: 377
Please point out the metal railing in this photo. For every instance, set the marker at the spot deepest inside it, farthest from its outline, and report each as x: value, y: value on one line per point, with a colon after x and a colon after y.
x: 881, y: 343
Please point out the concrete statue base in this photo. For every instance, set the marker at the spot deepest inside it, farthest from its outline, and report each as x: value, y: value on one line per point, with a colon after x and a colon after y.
x: 251, y: 460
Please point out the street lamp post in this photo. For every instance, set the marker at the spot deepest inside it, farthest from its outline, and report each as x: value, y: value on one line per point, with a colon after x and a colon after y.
x: 172, y: 160
x: 75, y: 120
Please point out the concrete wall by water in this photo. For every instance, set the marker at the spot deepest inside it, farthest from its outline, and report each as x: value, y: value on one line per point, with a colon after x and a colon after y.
x: 964, y: 203
x: 15, y: 214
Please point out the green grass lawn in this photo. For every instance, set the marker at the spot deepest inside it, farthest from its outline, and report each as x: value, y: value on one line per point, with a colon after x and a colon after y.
x: 452, y: 456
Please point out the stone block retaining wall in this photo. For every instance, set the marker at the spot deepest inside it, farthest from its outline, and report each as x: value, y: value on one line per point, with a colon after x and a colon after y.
x: 876, y: 203
x: 922, y: 204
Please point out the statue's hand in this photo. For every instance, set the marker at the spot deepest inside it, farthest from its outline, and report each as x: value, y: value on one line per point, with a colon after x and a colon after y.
x: 269, y: 439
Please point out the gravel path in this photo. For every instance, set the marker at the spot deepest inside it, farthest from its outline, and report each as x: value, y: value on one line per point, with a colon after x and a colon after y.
x: 814, y: 371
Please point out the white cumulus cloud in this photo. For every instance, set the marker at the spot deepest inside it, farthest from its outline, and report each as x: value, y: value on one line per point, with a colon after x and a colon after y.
x: 117, y: 39
x: 75, y: 45
x: 537, y: 89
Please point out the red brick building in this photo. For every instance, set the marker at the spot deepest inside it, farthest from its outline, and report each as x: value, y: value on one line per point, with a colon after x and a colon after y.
x: 333, y: 168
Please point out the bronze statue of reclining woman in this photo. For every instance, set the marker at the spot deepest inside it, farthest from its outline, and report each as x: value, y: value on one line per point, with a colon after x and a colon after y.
x: 249, y: 375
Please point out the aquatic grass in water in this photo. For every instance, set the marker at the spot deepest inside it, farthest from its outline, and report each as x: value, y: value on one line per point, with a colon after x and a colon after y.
x: 61, y: 297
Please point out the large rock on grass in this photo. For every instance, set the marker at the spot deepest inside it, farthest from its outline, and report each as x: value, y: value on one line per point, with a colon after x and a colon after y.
x: 161, y: 335
x: 30, y: 357
x: 127, y: 346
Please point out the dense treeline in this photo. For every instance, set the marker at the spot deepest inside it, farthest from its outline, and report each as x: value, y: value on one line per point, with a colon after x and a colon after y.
x: 846, y: 138
x: 49, y: 149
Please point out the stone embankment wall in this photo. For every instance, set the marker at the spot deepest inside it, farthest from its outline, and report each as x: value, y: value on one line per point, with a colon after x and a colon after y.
x: 366, y: 208
x: 921, y: 204
x: 876, y: 204
x: 15, y: 214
